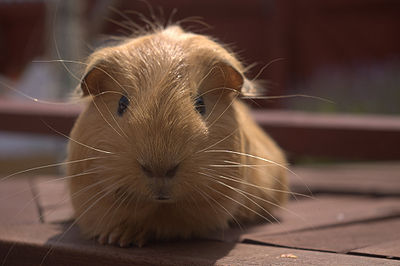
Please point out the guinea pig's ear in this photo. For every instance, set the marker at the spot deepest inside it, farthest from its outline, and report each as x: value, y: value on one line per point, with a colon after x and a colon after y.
x: 91, y: 82
x: 224, y: 77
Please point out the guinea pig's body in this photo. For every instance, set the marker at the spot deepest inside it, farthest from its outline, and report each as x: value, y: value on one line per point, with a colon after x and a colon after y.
x: 164, y: 148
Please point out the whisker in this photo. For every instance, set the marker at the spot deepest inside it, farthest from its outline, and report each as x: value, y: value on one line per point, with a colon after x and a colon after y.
x: 214, y: 106
x: 60, y: 61
x: 217, y: 89
x: 76, y: 220
x: 101, y: 114
x: 150, y: 25
x: 243, y: 193
x: 238, y: 165
x: 8, y: 253
x: 112, y: 116
x: 44, y: 182
x: 230, y: 178
x: 136, y: 204
x: 133, y: 27
x: 218, y: 142
x: 289, y: 96
x: 112, y: 78
x: 127, y: 196
x: 219, y: 97
x: 254, y: 157
x: 109, y: 209
x: 225, y: 110
x: 232, y: 163
x: 255, y: 167
x: 77, y: 142
x: 267, y: 65
x: 36, y: 99
x: 86, y: 188
x: 56, y: 46
x: 238, y: 202
x: 49, y: 166
x: 151, y: 11
x: 86, y: 64
x: 107, y: 92
x: 66, y: 198
x: 219, y: 204
x: 120, y: 24
x: 265, y: 160
x: 194, y: 19
x: 272, y: 203
x: 170, y: 17
x: 206, y: 199
x: 106, y: 193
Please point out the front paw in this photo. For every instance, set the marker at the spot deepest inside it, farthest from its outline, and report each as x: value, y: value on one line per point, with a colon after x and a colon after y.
x: 123, y: 237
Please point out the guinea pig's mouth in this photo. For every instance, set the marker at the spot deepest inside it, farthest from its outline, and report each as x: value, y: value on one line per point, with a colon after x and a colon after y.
x: 162, y: 198
x: 162, y: 194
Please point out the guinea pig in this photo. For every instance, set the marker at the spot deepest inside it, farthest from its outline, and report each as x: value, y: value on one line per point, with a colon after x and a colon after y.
x: 165, y: 148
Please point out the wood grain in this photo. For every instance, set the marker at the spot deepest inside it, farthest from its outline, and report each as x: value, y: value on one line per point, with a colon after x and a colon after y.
x: 389, y: 249
x: 342, y: 239
x: 375, y: 179
x: 54, y: 199
x: 323, y: 212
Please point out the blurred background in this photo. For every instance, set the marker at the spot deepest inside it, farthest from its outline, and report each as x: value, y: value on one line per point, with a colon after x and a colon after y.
x: 345, y: 51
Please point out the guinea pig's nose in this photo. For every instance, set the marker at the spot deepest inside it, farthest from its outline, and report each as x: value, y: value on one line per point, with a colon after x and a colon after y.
x: 159, y: 172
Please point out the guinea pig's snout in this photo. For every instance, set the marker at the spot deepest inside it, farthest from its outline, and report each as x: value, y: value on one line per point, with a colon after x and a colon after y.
x: 159, y: 172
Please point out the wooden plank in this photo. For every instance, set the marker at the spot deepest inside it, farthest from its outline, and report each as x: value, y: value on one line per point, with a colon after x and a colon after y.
x: 345, y: 136
x: 344, y: 238
x: 371, y: 179
x: 32, y: 117
x: 390, y: 249
x: 321, y: 212
x: 299, y: 119
x: 54, y: 199
x: 17, y: 203
x: 28, y: 245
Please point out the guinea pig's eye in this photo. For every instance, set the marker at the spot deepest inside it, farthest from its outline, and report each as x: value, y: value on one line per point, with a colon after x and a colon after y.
x: 122, y: 105
x: 199, y: 105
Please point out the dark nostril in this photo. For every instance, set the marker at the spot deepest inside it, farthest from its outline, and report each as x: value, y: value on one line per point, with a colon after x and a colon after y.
x: 146, y: 170
x: 171, y: 172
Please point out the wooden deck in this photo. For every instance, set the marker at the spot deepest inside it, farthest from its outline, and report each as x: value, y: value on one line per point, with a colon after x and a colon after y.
x: 353, y: 218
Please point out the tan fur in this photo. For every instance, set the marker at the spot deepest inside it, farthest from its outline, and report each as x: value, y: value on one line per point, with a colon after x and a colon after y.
x: 162, y: 73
